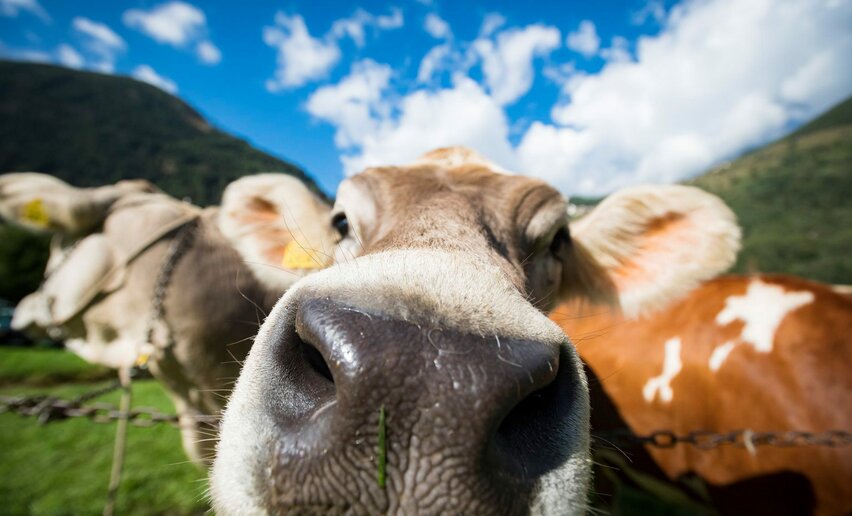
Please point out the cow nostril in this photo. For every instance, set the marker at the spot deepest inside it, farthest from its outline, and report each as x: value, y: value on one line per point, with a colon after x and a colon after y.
x: 315, y: 360
x: 529, y: 441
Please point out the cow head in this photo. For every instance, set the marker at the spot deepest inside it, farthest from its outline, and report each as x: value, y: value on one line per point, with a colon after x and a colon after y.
x: 41, y: 202
x: 417, y: 371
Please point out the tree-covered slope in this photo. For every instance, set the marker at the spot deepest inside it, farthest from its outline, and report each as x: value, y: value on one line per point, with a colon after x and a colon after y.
x: 793, y: 199
x: 90, y: 129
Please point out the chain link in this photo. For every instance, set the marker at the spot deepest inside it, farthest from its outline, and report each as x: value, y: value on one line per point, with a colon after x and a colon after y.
x: 176, y: 249
x: 48, y: 408
x: 706, y: 440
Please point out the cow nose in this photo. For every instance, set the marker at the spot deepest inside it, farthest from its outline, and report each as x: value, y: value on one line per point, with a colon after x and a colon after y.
x: 476, y: 405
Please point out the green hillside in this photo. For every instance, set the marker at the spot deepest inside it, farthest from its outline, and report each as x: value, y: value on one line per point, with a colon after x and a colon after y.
x: 91, y: 129
x: 793, y: 199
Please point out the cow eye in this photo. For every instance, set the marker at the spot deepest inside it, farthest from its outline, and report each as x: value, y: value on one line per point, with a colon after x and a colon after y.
x: 341, y: 224
x: 561, y: 240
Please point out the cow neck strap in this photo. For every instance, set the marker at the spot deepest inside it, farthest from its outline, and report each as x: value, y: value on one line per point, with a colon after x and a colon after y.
x: 177, y: 248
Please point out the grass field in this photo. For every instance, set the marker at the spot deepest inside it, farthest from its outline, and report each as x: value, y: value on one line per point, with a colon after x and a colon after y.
x: 63, y: 467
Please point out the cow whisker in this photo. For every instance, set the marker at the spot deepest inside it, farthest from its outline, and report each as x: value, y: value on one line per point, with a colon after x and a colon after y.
x: 256, y: 306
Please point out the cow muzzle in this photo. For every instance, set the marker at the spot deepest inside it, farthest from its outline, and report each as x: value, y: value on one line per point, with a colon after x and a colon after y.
x: 470, y: 422
x: 484, y: 399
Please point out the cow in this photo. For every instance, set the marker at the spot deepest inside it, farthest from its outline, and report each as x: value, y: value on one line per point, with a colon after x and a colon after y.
x: 101, y: 286
x: 44, y: 203
x: 763, y: 353
x: 417, y: 371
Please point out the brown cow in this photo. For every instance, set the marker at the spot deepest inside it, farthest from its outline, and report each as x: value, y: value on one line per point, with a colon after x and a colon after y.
x: 765, y: 353
x: 428, y: 333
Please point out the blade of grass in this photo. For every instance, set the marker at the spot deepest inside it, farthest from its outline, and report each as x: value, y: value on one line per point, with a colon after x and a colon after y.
x: 382, y: 455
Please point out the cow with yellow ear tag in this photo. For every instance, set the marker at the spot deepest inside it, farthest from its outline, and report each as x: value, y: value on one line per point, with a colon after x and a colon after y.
x: 216, y: 272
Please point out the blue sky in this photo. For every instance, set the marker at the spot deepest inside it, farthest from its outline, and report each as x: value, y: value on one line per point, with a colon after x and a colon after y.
x: 590, y: 96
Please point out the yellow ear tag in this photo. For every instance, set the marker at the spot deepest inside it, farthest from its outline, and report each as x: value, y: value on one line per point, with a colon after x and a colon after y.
x: 296, y: 257
x: 142, y: 360
x: 35, y: 213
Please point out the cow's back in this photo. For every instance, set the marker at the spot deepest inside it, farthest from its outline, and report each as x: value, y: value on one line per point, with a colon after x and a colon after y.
x: 212, y: 307
x: 765, y: 353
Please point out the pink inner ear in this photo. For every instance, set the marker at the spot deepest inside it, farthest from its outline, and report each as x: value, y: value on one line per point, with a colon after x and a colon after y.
x: 666, y: 241
x: 268, y: 233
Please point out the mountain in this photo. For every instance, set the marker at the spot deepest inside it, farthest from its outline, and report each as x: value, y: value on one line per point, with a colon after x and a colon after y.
x: 793, y: 199
x: 90, y: 129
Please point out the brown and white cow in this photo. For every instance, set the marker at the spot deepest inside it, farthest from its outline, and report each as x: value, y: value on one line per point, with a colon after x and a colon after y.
x: 763, y: 353
x: 428, y: 329
x: 98, y: 294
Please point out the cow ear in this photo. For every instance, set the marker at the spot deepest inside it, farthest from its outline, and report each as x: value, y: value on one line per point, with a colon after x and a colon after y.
x: 43, y: 203
x: 279, y: 226
x: 646, y: 246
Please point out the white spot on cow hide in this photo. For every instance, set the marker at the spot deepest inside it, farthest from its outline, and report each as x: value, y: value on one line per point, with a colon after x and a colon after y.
x: 720, y: 354
x: 671, y: 367
x: 761, y: 309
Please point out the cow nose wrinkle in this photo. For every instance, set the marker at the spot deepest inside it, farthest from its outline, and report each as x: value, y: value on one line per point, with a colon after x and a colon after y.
x: 498, y: 405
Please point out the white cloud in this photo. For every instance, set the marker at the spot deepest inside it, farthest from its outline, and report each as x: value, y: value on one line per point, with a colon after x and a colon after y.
x: 374, y: 127
x: 178, y: 24
x: 437, y: 27
x: 584, y: 40
x: 560, y: 74
x: 355, y: 25
x: 12, y: 8
x: 301, y: 57
x: 352, y: 26
x: 99, y: 32
x: 433, y: 61
x: 69, y: 57
x: 653, y: 10
x: 101, y: 41
x: 175, y: 23
x: 507, y: 62
x: 354, y: 104
x: 147, y: 74
x: 618, y: 51
x: 208, y: 53
x: 490, y: 24
x: 722, y: 76
x: 392, y: 21
x: 461, y: 115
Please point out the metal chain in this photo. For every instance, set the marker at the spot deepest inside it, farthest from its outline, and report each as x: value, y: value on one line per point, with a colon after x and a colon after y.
x: 96, y: 393
x: 705, y: 440
x: 48, y: 408
x: 176, y: 249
